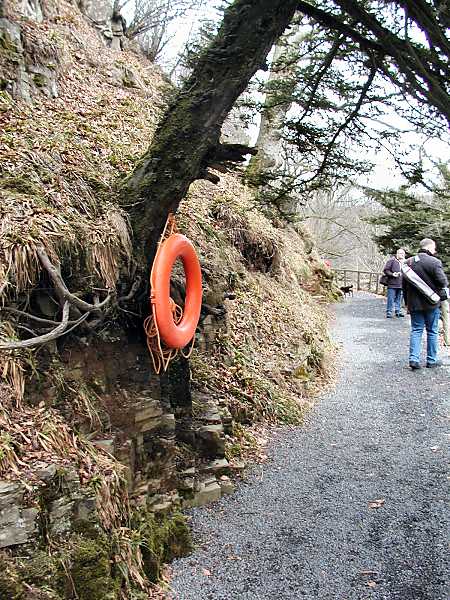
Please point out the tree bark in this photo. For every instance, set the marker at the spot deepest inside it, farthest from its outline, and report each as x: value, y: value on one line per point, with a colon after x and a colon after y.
x: 187, y: 138
x: 268, y: 143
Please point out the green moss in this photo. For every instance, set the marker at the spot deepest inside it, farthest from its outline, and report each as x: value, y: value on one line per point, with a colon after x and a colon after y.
x: 11, y: 586
x: 39, y: 79
x: 163, y: 538
x: 43, y: 572
x: 21, y: 184
x: 90, y: 570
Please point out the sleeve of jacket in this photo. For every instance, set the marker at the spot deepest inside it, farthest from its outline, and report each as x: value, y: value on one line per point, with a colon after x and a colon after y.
x: 439, y: 275
x: 405, y: 289
x: 388, y: 268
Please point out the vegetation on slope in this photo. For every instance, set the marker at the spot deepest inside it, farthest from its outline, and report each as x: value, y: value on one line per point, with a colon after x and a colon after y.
x: 62, y: 157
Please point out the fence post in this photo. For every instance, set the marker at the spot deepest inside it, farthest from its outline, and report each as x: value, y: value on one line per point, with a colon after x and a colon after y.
x: 370, y: 282
x: 358, y: 281
x: 377, y: 285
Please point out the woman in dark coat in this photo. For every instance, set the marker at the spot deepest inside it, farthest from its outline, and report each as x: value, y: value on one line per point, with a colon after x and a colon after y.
x: 394, y: 287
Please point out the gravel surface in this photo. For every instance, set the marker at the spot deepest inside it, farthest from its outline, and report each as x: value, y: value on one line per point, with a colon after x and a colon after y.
x: 305, y: 525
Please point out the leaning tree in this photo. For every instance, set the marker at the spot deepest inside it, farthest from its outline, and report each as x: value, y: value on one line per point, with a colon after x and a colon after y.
x: 404, y: 41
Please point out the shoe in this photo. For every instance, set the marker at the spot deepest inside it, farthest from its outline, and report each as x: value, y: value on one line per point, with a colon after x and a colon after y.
x: 438, y: 363
x: 388, y: 316
x: 414, y: 365
x: 399, y: 315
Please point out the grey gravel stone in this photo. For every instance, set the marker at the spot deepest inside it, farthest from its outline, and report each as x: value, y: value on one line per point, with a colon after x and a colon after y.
x: 353, y: 505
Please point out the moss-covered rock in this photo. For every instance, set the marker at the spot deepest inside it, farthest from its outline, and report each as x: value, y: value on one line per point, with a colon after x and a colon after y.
x: 41, y: 570
x: 163, y: 538
x: 90, y: 570
x: 11, y: 585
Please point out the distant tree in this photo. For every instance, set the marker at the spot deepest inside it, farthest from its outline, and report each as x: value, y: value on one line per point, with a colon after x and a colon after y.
x: 338, y: 219
x: 407, y: 217
x: 151, y: 20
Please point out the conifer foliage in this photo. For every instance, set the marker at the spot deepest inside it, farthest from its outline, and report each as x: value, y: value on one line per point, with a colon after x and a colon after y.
x: 407, y: 218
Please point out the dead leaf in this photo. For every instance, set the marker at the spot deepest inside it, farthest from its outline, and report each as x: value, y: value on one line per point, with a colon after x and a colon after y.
x: 206, y: 572
x: 377, y: 503
x: 371, y: 584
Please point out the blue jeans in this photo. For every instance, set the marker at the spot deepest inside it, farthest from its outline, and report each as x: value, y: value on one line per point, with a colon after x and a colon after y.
x: 430, y: 320
x: 394, y: 300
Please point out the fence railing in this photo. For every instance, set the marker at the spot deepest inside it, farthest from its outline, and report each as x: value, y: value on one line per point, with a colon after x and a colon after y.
x: 367, y: 281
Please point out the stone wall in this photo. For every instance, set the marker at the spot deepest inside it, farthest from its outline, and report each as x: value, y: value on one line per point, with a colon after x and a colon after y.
x: 174, y: 456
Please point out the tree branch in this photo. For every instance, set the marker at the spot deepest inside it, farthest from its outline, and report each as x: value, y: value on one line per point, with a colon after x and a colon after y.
x: 47, y: 337
x: 132, y: 292
x: 42, y: 339
x: 321, y: 73
x: 60, y: 286
x: 15, y: 311
x: 333, y: 22
x: 230, y: 153
x: 414, y: 67
x: 345, y: 124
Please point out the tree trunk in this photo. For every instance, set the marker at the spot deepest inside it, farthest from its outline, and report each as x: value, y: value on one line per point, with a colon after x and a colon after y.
x: 187, y: 139
x: 270, y: 151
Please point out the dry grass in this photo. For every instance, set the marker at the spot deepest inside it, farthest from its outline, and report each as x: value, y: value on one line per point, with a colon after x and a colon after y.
x: 61, y: 157
x: 275, y: 353
x: 13, y: 364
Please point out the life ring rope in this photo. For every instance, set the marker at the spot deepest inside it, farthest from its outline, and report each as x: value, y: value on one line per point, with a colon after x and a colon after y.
x: 159, y: 353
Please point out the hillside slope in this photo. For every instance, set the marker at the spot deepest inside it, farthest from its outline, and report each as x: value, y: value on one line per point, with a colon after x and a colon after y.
x: 96, y: 452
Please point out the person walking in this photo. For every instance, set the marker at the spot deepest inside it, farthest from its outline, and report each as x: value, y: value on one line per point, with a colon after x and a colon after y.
x: 424, y: 314
x: 392, y: 269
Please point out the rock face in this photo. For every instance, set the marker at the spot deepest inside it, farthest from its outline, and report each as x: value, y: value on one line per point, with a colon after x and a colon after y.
x: 18, y: 524
x: 109, y: 24
x: 58, y: 506
x: 172, y: 457
x: 28, y: 71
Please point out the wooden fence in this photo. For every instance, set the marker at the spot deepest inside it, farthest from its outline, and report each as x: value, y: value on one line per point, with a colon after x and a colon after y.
x: 362, y: 280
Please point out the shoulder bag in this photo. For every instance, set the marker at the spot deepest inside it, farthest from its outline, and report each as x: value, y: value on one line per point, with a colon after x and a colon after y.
x: 414, y: 279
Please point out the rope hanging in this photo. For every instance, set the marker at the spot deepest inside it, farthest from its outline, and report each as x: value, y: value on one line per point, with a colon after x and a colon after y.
x: 161, y: 355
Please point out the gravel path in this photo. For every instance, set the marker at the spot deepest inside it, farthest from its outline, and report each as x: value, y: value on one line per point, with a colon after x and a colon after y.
x: 303, y: 526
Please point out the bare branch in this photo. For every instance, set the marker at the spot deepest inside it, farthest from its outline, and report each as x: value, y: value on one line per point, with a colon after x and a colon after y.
x: 42, y: 339
x: 15, y: 311
x: 47, y: 337
x: 60, y: 286
x: 132, y: 292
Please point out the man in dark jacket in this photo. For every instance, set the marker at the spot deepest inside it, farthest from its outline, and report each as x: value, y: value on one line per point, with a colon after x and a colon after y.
x: 394, y: 287
x: 423, y: 312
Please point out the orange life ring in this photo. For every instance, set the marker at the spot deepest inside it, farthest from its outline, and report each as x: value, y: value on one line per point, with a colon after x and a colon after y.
x: 176, y: 335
